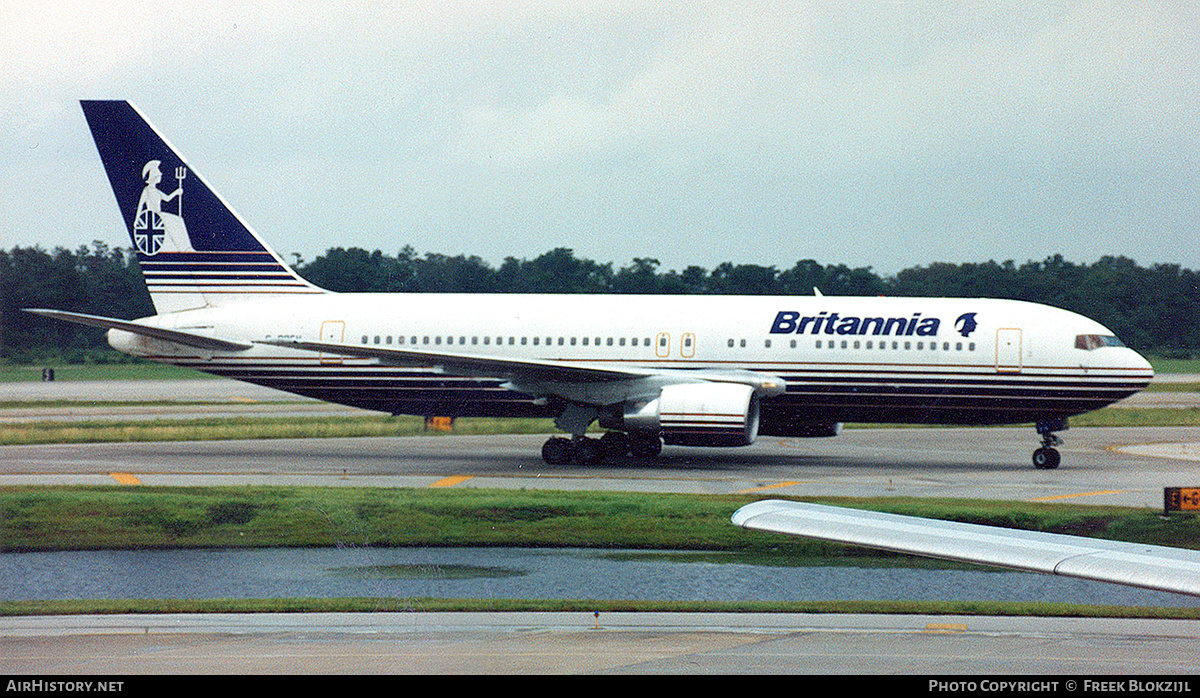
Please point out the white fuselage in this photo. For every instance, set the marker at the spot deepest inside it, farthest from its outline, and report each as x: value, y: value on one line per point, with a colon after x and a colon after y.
x: 915, y: 360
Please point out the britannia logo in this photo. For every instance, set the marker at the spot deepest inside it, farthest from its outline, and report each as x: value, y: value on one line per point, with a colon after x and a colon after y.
x: 965, y: 324
x: 155, y: 230
x: 148, y: 231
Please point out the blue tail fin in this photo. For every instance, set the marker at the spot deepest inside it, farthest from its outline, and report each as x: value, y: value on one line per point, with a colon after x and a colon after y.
x: 193, y: 249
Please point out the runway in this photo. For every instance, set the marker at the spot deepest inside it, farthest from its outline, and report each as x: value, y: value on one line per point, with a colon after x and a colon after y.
x: 580, y: 643
x: 1125, y: 466
x: 1100, y: 465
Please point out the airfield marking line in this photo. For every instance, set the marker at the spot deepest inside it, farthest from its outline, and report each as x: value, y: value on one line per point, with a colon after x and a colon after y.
x: 125, y: 478
x: 1072, y: 496
x: 770, y: 487
x: 452, y: 481
x: 945, y: 628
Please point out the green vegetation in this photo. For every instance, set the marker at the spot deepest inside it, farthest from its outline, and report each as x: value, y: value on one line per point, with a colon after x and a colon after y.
x: 130, y: 371
x: 1173, y: 388
x: 1139, y: 417
x: 1162, y: 366
x: 111, y: 517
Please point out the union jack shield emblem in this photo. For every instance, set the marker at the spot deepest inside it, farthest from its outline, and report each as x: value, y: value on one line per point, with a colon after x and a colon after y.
x: 148, y: 231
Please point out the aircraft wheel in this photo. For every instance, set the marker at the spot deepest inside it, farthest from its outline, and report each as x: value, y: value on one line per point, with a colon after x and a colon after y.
x: 1046, y: 458
x: 615, y: 443
x: 588, y: 451
x: 643, y: 447
x: 558, y: 451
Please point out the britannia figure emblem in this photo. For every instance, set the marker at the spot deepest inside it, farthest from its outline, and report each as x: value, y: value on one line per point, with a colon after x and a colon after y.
x: 155, y: 230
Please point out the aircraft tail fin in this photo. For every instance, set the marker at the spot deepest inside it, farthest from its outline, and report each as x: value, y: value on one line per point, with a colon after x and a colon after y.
x: 193, y: 249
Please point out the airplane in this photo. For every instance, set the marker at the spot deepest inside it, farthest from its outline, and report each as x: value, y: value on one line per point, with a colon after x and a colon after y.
x: 715, y: 371
x: 1134, y: 564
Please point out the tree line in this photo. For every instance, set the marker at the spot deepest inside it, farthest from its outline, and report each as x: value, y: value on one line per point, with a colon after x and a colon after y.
x: 1154, y: 309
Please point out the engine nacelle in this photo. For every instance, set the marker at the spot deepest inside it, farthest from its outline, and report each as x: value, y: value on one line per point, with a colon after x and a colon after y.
x: 697, y: 414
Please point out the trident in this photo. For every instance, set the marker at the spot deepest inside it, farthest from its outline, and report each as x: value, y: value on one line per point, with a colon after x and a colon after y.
x: 180, y: 173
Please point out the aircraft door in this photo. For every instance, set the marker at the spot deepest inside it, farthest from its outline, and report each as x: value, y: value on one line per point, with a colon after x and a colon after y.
x: 333, y: 332
x: 1008, y: 350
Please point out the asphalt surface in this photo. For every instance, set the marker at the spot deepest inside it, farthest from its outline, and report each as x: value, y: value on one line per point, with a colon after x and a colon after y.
x: 1128, y: 466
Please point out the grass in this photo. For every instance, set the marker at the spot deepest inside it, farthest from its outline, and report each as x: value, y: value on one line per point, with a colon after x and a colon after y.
x: 1173, y: 388
x: 13, y: 373
x: 117, y: 517
x: 1162, y: 365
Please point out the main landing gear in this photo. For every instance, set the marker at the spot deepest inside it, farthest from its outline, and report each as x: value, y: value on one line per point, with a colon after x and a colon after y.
x: 584, y: 450
x: 1047, y: 457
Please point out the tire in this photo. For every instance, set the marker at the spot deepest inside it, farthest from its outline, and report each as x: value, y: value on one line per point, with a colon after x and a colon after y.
x: 588, y: 451
x: 646, y: 447
x: 615, y: 444
x: 1046, y: 458
x: 558, y: 451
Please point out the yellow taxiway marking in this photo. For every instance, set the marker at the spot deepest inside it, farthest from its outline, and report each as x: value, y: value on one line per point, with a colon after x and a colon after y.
x: 1072, y: 496
x: 125, y: 478
x: 945, y: 628
x: 452, y: 481
x: 771, y: 487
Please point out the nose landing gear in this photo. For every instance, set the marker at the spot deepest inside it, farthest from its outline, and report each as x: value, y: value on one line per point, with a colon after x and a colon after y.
x: 1047, y: 457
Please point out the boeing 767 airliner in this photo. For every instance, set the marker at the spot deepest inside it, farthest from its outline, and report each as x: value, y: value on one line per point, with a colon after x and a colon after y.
x: 687, y: 370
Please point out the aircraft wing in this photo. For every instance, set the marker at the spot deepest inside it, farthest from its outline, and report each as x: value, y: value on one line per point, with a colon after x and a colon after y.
x: 191, y: 339
x: 536, y: 371
x: 1147, y: 566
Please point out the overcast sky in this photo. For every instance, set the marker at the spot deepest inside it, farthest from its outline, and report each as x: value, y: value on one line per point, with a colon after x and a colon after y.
x: 883, y: 134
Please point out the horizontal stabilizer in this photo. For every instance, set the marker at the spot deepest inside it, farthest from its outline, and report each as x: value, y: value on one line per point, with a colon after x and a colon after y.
x: 190, y: 339
x: 1146, y: 566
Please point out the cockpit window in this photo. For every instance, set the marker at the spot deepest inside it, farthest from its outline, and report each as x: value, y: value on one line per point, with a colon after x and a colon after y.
x: 1095, y: 341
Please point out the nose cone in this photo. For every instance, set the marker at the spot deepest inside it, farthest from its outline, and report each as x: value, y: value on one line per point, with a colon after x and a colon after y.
x: 1139, y: 363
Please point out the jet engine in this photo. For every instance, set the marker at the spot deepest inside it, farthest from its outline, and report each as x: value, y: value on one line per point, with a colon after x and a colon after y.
x: 696, y: 414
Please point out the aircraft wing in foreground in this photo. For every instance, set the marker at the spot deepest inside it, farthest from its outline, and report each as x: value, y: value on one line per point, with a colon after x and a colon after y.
x: 1147, y: 566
